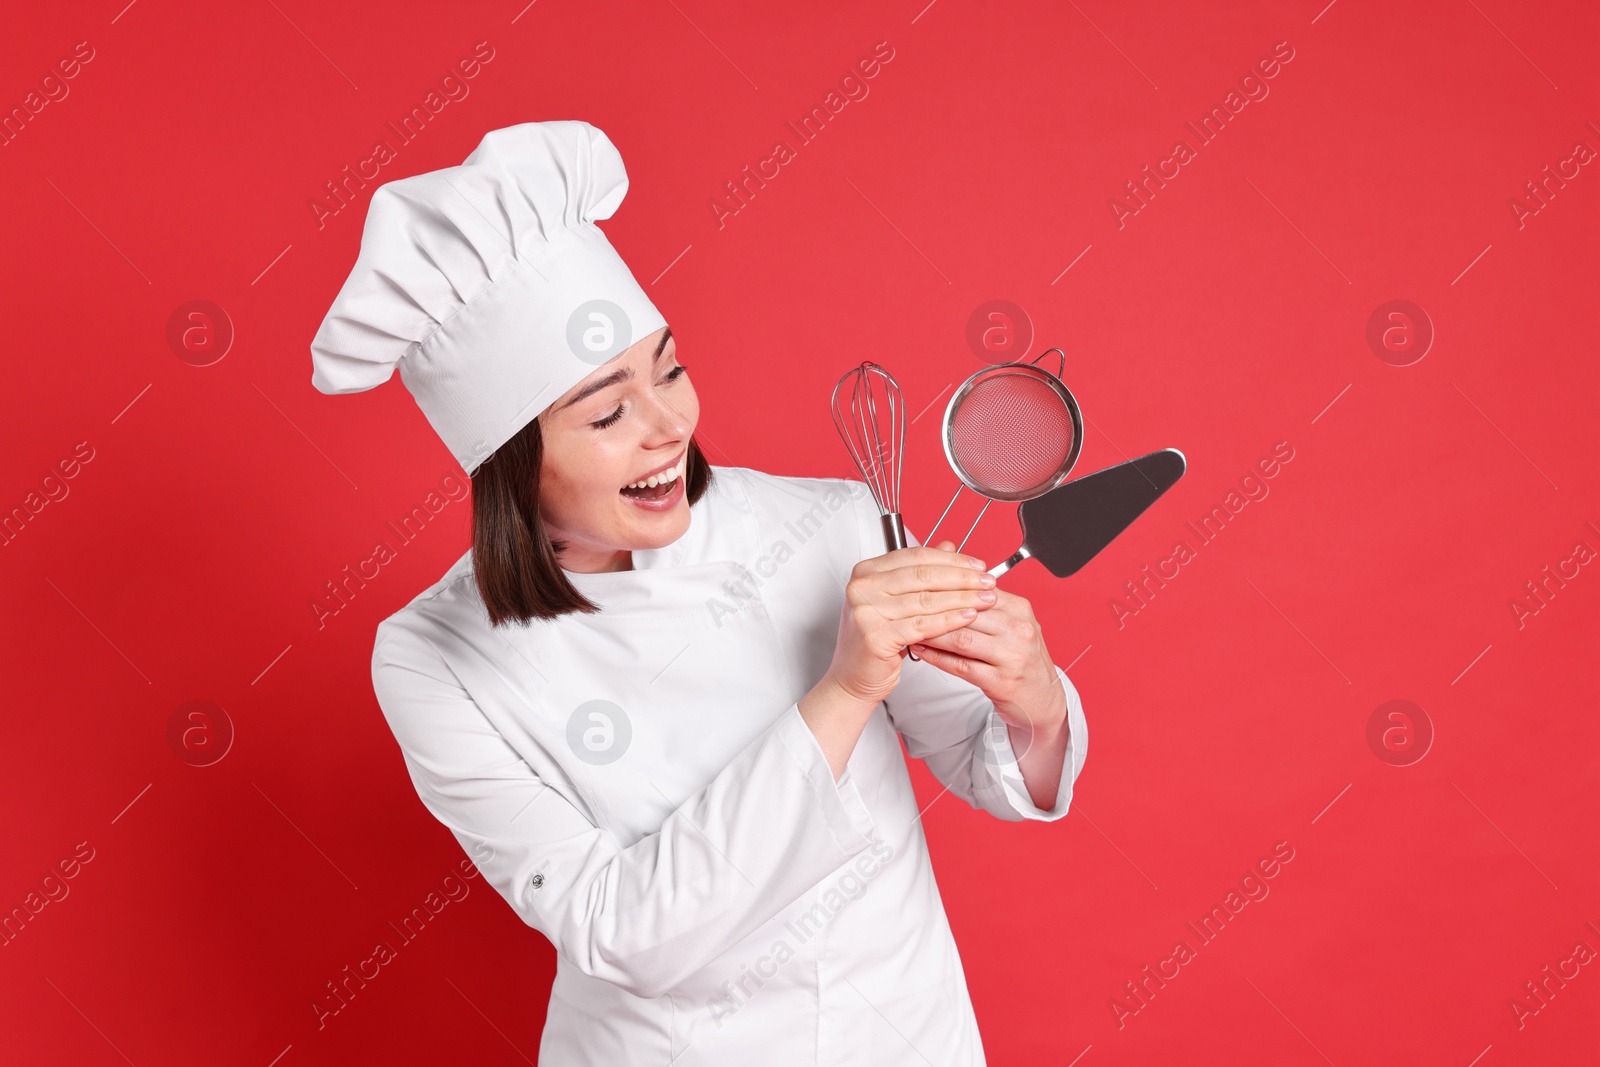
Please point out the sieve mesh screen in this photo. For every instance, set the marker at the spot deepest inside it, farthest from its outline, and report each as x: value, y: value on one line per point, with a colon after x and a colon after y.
x: 1012, y: 434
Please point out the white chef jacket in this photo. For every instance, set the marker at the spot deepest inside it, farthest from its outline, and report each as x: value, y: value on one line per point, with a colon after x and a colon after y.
x: 640, y: 787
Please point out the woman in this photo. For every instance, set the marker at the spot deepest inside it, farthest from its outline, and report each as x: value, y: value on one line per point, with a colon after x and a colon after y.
x: 659, y: 703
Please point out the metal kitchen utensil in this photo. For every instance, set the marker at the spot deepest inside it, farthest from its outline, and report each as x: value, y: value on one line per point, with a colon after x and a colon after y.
x: 1012, y: 432
x: 873, y: 431
x: 1068, y: 526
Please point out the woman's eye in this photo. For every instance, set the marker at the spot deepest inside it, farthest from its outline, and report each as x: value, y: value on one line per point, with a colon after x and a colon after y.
x: 610, y: 420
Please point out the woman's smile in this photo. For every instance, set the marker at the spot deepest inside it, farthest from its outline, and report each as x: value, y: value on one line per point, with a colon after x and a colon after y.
x: 661, y: 489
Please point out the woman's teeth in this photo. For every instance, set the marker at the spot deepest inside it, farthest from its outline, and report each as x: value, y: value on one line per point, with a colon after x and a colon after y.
x: 654, y: 480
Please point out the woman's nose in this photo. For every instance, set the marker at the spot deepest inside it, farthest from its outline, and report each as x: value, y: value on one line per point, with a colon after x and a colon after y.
x: 670, y: 420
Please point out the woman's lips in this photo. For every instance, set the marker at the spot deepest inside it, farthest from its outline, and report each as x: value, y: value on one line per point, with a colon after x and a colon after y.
x: 663, y: 503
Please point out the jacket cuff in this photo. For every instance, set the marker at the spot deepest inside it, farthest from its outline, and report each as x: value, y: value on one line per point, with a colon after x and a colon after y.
x: 840, y: 802
x: 1013, y: 788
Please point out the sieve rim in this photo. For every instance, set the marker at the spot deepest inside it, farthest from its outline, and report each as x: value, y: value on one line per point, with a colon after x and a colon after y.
x: 995, y: 370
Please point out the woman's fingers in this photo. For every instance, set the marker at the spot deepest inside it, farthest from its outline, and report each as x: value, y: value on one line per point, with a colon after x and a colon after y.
x: 919, y: 576
x: 910, y: 557
x: 992, y: 636
x: 969, y: 642
x: 917, y: 594
x: 889, y: 633
x: 916, y: 570
x: 924, y: 586
x: 928, y: 627
x: 916, y: 601
x: 934, y: 602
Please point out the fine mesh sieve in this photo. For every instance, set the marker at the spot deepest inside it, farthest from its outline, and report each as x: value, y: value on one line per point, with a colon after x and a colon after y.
x: 1012, y: 432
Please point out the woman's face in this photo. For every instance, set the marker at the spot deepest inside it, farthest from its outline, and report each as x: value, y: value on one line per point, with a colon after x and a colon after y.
x: 597, y: 441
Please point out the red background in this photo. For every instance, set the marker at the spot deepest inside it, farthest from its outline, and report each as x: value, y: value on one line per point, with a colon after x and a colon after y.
x: 1229, y: 314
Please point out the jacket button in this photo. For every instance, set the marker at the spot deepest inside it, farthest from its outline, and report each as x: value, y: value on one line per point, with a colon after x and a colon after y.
x: 538, y: 880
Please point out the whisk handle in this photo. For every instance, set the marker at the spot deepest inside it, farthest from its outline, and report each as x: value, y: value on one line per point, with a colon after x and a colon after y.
x: 894, y: 531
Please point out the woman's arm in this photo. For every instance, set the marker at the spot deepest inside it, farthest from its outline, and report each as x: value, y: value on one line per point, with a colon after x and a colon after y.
x: 766, y: 829
x: 1041, y: 750
x: 951, y: 726
x: 1014, y: 772
x: 836, y: 719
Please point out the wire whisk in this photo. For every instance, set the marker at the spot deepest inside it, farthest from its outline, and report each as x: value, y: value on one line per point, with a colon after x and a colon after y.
x: 869, y: 413
x: 873, y: 430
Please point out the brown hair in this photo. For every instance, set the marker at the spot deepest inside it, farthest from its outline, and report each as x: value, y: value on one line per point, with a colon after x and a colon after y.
x: 517, y: 564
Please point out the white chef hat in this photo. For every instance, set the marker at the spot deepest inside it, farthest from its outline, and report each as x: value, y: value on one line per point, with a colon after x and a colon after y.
x: 490, y: 285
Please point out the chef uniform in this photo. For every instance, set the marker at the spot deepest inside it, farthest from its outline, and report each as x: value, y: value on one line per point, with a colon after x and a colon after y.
x: 639, y: 785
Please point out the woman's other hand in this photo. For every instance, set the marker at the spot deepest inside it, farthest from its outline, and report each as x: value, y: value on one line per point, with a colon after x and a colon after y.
x: 900, y: 598
x: 1003, y: 653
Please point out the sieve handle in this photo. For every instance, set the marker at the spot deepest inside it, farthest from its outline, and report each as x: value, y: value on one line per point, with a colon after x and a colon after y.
x: 1000, y: 568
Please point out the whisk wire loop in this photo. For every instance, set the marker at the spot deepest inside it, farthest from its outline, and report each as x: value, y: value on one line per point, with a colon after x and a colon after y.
x: 871, y: 423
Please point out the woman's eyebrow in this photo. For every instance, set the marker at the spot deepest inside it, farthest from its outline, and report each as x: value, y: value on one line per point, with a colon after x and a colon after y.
x: 616, y: 376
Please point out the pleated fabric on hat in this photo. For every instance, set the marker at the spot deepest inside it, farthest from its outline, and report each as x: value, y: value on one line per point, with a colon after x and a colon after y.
x: 489, y: 285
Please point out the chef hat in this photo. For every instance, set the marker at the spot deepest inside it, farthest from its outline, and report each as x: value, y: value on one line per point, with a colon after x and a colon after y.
x: 490, y: 285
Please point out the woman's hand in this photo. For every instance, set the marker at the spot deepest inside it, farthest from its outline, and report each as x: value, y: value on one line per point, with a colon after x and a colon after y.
x: 897, y: 599
x: 1003, y: 653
